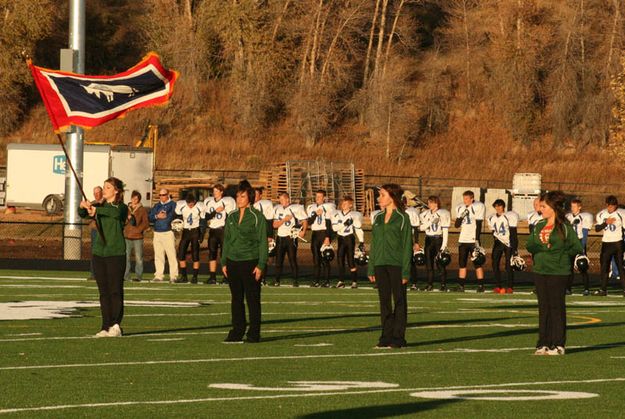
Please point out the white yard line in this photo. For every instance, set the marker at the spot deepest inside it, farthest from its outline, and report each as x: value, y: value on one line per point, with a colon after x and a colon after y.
x: 286, y: 357
x: 301, y: 395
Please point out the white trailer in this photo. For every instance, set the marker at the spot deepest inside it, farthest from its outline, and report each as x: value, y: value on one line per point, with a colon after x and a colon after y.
x: 36, y: 173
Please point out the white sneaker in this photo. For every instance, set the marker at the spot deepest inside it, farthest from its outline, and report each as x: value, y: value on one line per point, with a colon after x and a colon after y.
x: 558, y: 350
x: 115, y: 331
x: 541, y: 351
x: 102, y: 334
x: 173, y: 280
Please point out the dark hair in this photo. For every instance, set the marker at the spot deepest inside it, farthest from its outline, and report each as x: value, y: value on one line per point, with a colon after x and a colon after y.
x: 136, y: 194
x: 321, y: 191
x: 219, y: 187
x: 245, y: 188
x: 556, y: 200
x: 190, y: 198
x: 469, y: 193
x: 576, y: 201
x: 499, y: 203
x: 611, y: 200
x: 284, y: 194
x: 395, y: 192
x: 435, y: 199
x: 119, y: 188
x: 348, y: 198
x: 260, y: 189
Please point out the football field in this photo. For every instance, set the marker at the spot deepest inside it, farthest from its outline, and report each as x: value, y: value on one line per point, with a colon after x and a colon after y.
x: 468, y: 355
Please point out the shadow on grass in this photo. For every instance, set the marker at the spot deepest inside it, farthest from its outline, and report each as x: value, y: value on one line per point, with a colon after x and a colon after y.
x: 383, y: 411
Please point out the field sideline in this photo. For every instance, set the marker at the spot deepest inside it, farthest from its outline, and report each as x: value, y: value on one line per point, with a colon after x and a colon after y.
x: 468, y: 355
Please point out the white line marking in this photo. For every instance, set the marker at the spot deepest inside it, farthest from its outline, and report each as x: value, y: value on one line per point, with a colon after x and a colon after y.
x: 286, y: 357
x: 468, y: 395
x: 289, y: 396
x: 165, y: 340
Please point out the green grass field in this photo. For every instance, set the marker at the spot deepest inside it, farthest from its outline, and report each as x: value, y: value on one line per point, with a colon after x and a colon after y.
x: 468, y: 355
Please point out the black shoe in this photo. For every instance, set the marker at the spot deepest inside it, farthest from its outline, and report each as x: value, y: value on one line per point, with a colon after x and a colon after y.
x: 443, y: 288
x: 428, y: 288
x: 460, y: 288
x: 569, y: 291
x: 325, y: 285
x: 480, y: 288
x: 276, y: 283
x: 295, y: 284
x: 600, y: 293
x: 586, y: 292
x: 182, y: 280
x: 210, y: 282
x: 316, y: 284
x: 194, y: 279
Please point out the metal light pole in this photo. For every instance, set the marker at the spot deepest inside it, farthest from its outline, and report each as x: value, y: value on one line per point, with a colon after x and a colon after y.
x: 74, y: 60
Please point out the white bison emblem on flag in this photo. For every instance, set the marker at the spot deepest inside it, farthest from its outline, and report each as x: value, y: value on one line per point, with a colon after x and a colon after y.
x: 108, y: 91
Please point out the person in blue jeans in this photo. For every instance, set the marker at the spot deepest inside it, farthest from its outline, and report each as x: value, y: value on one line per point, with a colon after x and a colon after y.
x: 136, y: 225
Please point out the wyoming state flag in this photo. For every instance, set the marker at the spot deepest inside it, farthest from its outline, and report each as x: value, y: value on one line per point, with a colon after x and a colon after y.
x: 88, y: 101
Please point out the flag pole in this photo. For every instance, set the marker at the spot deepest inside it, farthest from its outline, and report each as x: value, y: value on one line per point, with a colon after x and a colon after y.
x: 71, y: 166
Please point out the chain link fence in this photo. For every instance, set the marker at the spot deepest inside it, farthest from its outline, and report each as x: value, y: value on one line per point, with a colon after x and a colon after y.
x: 46, y: 241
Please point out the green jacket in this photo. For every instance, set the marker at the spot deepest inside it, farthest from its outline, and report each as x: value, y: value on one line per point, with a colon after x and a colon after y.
x: 391, y: 242
x: 554, y: 260
x: 111, y: 219
x: 245, y: 241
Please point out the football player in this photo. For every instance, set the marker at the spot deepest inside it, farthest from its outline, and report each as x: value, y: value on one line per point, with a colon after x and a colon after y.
x: 504, y: 227
x: 469, y: 218
x: 320, y: 221
x: 582, y: 223
x: 535, y: 216
x: 193, y: 230
x: 610, y: 221
x: 265, y: 206
x: 291, y: 222
x: 413, y: 214
x: 347, y: 224
x: 217, y: 208
x: 435, y: 222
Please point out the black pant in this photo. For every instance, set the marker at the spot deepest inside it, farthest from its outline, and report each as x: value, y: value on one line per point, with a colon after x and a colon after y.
x: 192, y: 237
x: 215, y: 242
x: 243, y: 285
x: 109, y: 275
x: 551, y: 292
x: 393, y: 305
x: 464, y: 250
x: 316, y: 241
x: 284, y: 246
x: 499, y: 250
x: 608, y: 251
x: 345, y: 253
x: 432, y: 247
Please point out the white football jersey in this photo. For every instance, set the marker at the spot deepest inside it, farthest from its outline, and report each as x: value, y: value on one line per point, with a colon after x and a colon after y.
x: 433, y: 223
x: 373, y: 214
x: 501, y: 224
x: 584, y: 221
x: 297, y: 213
x: 468, y: 229
x: 210, y: 206
x: 190, y: 216
x: 612, y: 232
x: 338, y: 224
x: 413, y: 215
x: 319, y: 223
x: 266, y: 207
x: 533, y: 217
